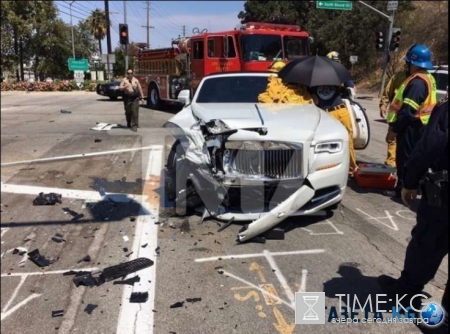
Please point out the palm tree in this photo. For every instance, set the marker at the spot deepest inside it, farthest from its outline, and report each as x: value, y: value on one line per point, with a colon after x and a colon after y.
x: 97, y: 23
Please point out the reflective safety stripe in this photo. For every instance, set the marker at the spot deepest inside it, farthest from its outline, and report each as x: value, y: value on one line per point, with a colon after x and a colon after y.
x: 411, y: 103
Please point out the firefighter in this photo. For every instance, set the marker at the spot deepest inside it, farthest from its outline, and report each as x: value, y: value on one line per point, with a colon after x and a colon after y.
x: 281, y: 92
x: 132, y: 94
x: 386, y: 98
x: 427, y: 165
x: 334, y: 55
x: 410, y: 110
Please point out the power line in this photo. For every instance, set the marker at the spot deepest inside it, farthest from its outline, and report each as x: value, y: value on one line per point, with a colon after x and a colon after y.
x: 137, y: 14
x: 59, y: 10
x: 73, y: 10
x: 173, y: 27
x: 81, y: 9
x: 167, y: 15
x: 79, y: 4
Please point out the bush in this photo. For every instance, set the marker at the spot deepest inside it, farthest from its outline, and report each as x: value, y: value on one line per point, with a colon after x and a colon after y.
x: 57, y: 85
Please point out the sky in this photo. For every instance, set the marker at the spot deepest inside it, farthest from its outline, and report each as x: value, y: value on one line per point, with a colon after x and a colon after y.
x: 167, y: 18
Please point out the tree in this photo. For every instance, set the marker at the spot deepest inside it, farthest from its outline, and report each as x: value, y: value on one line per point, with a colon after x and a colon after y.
x: 98, y: 26
x: 133, y: 50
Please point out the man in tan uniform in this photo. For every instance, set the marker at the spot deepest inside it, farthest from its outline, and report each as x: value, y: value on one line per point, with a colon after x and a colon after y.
x: 132, y: 93
x: 385, y: 100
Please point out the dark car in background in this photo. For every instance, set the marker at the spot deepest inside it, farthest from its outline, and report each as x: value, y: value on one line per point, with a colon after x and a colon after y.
x: 440, y: 74
x: 110, y: 89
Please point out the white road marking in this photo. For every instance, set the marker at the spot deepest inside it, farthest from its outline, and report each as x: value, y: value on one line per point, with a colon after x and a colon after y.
x: 54, y: 272
x: 134, y: 317
x: 328, y: 222
x: 15, y: 308
x: 75, y: 156
x: 246, y: 256
x: 14, y: 294
x: 68, y: 193
x: 303, y: 282
x: 280, y: 277
x: 408, y: 211
x: 226, y: 273
x: 4, y: 230
x: 392, y: 226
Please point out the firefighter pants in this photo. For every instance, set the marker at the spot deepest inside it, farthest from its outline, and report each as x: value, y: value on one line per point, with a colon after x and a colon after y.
x: 427, y: 248
x: 343, y: 116
x: 391, y: 149
x: 132, y: 112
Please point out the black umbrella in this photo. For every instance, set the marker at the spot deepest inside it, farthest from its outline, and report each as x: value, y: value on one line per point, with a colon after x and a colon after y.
x: 315, y: 71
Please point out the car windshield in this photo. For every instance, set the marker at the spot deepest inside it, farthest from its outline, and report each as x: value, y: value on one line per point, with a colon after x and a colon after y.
x: 232, y: 89
x: 268, y: 47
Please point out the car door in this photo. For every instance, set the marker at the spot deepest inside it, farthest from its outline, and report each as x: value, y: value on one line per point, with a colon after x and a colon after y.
x: 360, y: 124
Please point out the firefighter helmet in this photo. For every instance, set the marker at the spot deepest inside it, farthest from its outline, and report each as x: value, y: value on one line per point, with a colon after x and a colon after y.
x: 276, y: 66
x: 420, y: 56
x: 334, y: 55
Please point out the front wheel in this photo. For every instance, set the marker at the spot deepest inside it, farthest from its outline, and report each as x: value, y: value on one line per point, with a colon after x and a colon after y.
x: 153, y: 99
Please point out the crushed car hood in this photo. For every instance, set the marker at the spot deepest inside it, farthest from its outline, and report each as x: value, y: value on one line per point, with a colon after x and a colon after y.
x: 279, y: 119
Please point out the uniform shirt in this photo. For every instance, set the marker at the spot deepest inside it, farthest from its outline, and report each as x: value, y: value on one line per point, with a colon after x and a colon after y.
x: 417, y: 91
x: 431, y: 150
x: 391, y: 88
x: 133, y: 87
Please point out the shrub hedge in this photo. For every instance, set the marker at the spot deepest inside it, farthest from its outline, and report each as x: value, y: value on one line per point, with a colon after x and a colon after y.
x: 61, y: 86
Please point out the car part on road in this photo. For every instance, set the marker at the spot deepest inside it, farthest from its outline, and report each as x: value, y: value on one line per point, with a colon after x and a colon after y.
x: 193, y: 300
x: 226, y: 225
x: 47, y: 199
x: 58, y: 313
x: 129, y: 281
x: 177, y: 304
x: 85, y: 278
x: 97, y: 140
x: 39, y: 259
x: 87, y: 258
x: 128, y: 255
x: 143, y: 246
x: 65, y: 111
x: 20, y: 250
x: 139, y: 297
x: 124, y: 269
x: 90, y: 308
x: 157, y: 250
x: 76, y: 216
x: 58, y: 238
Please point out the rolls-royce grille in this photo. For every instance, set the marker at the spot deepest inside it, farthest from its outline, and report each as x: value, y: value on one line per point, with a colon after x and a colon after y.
x: 278, y: 164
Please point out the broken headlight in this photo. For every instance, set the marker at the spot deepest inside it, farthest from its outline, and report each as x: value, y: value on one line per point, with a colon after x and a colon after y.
x: 217, y: 126
x: 331, y: 147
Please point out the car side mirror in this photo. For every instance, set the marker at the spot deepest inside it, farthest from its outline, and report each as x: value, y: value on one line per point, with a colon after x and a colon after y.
x: 184, y: 97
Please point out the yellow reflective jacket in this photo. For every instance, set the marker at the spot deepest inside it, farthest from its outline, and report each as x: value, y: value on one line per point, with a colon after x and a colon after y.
x: 279, y: 92
x: 423, y: 111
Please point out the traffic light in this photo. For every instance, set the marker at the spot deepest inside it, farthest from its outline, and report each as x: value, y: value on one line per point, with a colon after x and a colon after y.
x: 395, y: 39
x: 123, y: 31
x: 380, y: 43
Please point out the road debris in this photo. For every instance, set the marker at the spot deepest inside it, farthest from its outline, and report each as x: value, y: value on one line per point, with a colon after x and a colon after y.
x: 139, y: 297
x: 76, y: 216
x: 87, y: 258
x: 177, y: 304
x: 69, y: 182
x: 128, y: 255
x: 157, y: 250
x: 97, y: 140
x: 39, y: 259
x: 193, y: 300
x: 125, y: 238
x: 90, y: 308
x: 112, y: 273
x: 62, y: 111
x: 104, y: 127
x: 125, y: 249
x: 129, y: 281
x: 58, y: 238
x: 47, y: 199
x: 20, y: 250
x: 228, y: 224
x: 143, y: 246
x: 58, y: 313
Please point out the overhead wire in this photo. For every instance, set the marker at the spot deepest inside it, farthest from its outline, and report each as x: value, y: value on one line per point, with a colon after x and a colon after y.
x: 80, y: 18
x: 73, y: 10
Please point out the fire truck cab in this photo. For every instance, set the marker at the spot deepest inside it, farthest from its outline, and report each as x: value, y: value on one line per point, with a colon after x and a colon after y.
x: 163, y: 73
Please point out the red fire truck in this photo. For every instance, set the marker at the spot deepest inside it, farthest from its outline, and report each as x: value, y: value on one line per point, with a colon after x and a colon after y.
x: 163, y: 73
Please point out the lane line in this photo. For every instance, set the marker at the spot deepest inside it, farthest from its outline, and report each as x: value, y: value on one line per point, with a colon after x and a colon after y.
x: 75, y: 156
x: 280, y: 277
x: 15, y: 308
x: 237, y: 278
x: 134, y: 317
x: 393, y: 225
x: 245, y: 256
x: 68, y: 193
x: 16, y: 290
x: 303, y: 282
x: 48, y: 272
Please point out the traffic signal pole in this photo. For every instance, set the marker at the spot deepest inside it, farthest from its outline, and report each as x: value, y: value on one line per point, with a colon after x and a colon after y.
x: 126, y: 45
x: 108, y: 39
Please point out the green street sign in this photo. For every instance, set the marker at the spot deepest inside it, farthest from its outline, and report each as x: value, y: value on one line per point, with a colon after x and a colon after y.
x: 335, y: 5
x: 78, y: 64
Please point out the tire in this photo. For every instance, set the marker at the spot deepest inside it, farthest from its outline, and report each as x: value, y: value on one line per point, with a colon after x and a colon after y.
x: 113, y: 98
x: 153, y: 97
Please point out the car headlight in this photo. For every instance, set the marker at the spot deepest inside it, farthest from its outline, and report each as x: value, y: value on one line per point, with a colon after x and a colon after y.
x: 331, y: 147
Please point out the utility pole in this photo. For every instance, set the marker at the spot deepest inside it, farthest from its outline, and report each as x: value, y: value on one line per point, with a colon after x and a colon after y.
x: 108, y: 38
x: 71, y: 25
x: 126, y: 46
x: 148, y: 26
x: 386, y: 52
x: 184, y: 31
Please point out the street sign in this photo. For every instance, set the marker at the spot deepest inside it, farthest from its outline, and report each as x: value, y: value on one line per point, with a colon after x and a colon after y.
x: 353, y: 59
x: 392, y: 5
x: 78, y: 64
x: 78, y: 74
x: 335, y: 5
x: 79, y: 84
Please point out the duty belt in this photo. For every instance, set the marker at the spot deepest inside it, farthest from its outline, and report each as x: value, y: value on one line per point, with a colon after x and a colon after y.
x: 441, y: 176
x: 339, y: 106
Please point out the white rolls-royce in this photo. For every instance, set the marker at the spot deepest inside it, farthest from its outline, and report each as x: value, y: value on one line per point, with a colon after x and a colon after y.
x: 249, y: 161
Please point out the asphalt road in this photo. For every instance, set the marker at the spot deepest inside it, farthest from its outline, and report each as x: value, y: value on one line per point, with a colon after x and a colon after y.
x: 216, y: 283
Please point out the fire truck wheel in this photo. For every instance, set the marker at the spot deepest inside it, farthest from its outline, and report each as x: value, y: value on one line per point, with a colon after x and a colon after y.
x: 153, y: 100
